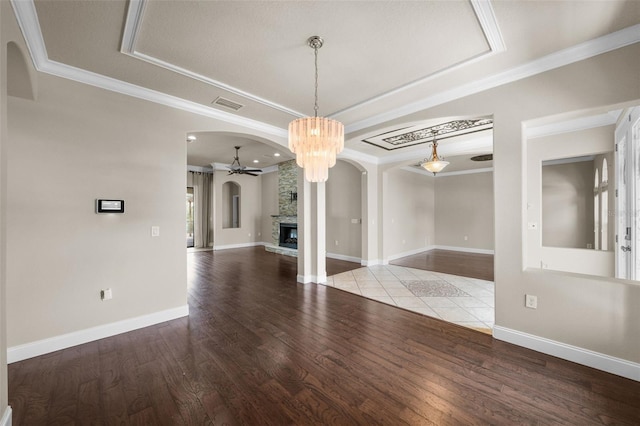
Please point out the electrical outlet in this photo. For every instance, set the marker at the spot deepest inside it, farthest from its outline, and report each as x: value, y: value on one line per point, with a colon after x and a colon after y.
x: 336, y: 242
x: 466, y: 238
x: 106, y: 294
x: 155, y: 231
x: 531, y: 301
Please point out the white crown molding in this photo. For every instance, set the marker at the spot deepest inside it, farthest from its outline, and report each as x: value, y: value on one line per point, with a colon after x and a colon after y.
x: 491, y: 30
x: 130, y: 34
x: 27, y: 18
x: 579, y: 52
x: 466, y: 172
x: 56, y: 343
x: 28, y: 21
x: 489, y: 24
x: 613, y: 365
x: 482, y: 8
x: 577, y: 124
x: 135, y: 13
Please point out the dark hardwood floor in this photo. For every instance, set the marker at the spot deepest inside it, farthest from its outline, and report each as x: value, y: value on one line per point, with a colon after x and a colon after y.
x: 260, y: 349
x: 472, y: 265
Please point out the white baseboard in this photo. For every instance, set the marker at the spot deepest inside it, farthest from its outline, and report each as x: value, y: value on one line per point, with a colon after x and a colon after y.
x: 6, y: 417
x: 306, y: 279
x: 463, y: 249
x: 613, y: 365
x: 241, y: 245
x: 405, y: 254
x: 343, y: 257
x: 372, y: 262
x: 52, y: 344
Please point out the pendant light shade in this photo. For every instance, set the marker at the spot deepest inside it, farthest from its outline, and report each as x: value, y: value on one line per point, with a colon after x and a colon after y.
x: 316, y: 141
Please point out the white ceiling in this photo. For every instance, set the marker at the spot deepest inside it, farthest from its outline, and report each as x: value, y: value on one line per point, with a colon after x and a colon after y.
x: 381, y: 59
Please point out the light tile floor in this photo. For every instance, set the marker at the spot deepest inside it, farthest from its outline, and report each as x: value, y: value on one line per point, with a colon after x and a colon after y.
x: 468, y: 302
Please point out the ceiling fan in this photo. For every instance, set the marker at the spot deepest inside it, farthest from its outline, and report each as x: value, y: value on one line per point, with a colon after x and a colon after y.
x: 236, y: 168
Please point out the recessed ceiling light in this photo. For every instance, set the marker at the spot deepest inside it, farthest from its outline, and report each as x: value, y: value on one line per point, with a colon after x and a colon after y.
x: 255, y: 161
x: 277, y: 154
x: 191, y: 138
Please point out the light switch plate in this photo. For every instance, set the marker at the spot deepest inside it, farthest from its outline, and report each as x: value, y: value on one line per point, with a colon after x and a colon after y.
x: 155, y: 231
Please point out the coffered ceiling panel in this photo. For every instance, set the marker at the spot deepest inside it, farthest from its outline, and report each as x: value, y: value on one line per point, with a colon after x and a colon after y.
x: 259, y: 47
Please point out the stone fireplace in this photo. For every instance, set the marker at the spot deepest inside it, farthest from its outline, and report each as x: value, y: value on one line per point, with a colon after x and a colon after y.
x: 284, y: 229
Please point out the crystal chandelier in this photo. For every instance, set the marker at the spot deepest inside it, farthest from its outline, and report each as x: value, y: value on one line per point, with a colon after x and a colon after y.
x: 435, y: 164
x: 316, y: 141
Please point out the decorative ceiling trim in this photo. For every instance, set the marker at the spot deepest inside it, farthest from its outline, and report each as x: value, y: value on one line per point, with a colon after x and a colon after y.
x: 482, y: 9
x: 575, y: 125
x: 493, y: 35
x: 416, y: 135
x: 480, y: 145
x: 27, y: 18
x: 579, y: 52
x: 135, y: 15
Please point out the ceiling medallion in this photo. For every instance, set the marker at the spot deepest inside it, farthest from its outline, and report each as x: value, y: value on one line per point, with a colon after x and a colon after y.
x: 416, y: 135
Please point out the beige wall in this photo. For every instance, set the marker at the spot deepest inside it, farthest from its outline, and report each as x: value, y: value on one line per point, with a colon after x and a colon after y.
x: 464, y: 208
x: 4, y: 11
x: 567, y: 205
x: 604, y: 314
x: 66, y: 151
x: 343, y: 203
x: 250, y: 211
x: 408, y: 212
x: 269, y: 192
x: 74, y: 144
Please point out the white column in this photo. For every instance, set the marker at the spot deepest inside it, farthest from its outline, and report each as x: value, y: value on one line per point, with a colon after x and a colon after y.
x: 312, y: 237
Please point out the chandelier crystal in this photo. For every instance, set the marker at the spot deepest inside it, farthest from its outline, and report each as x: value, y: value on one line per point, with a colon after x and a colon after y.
x: 435, y: 164
x: 316, y: 141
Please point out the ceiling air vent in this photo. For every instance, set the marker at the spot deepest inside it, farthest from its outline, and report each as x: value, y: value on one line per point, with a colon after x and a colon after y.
x: 227, y: 103
x: 485, y: 157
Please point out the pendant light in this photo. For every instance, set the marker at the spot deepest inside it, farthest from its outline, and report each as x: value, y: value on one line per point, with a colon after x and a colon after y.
x: 316, y: 141
x: 435, y: 164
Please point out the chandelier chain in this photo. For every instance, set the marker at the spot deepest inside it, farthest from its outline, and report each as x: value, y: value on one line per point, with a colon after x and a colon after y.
x: 315, y: 107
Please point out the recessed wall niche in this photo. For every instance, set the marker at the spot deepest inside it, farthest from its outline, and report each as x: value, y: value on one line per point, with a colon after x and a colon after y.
x: 231, y: 205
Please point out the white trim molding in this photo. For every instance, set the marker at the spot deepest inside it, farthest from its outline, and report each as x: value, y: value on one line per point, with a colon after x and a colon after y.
x: 240, y: 245
x: 405, y: 254
x: 372, y: 262
x: 56, y: 343
x: 610, y: 364
x: 464, y: 249
x: 343, y: 257
x: 579, y: 52
x: 6, y: 417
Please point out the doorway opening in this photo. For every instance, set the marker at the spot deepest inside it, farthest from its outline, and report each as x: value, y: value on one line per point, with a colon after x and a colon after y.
x: 190, y: 214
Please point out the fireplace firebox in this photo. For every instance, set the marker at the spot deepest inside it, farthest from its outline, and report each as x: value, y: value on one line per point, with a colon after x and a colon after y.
x: 289, y: 235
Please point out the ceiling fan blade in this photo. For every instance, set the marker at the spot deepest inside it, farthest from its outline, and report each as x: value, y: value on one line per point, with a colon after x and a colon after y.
x: 249, y: 173
x: 252, y: 170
